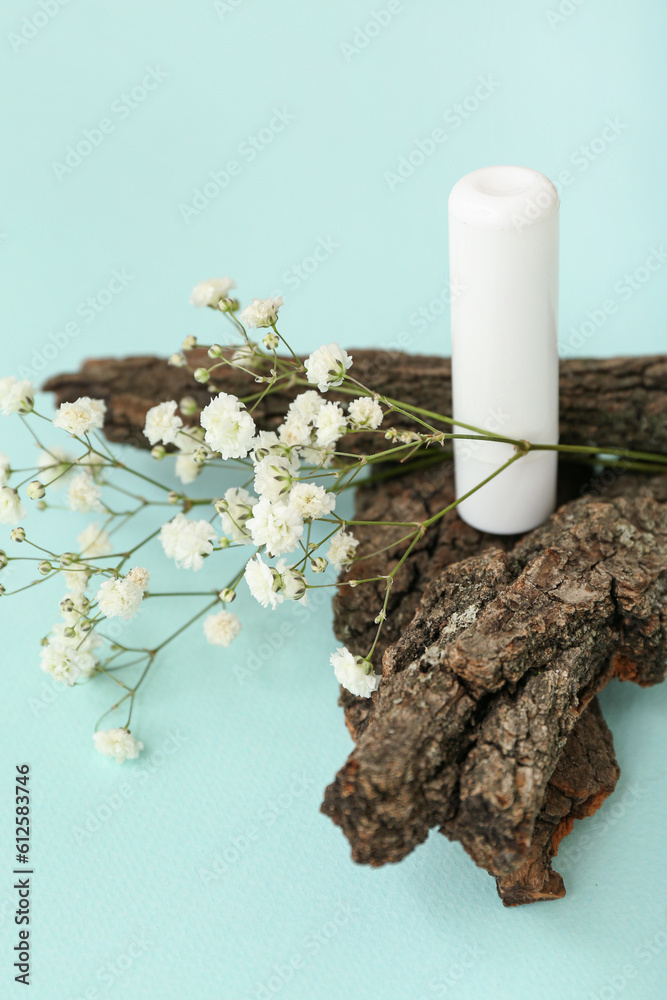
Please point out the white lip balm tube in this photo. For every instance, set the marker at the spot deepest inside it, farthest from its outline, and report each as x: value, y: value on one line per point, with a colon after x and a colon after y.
x: 503, y: 252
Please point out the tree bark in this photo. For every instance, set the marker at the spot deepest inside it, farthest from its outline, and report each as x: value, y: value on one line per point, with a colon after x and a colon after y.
x: 483, y: 689
x: 619, y: 402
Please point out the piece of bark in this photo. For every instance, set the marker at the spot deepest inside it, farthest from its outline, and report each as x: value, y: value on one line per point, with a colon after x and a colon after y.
x: 585, y: 775
x: 484, y: 687
x: 618, y: 402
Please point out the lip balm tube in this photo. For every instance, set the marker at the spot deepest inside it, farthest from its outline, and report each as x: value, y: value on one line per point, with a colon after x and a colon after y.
x: 503, y: 251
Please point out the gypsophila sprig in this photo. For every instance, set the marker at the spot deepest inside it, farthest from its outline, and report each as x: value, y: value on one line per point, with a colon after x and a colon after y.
x: 271, y: 531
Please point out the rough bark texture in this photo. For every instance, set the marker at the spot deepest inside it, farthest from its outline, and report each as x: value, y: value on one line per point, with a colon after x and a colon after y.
x: 621, y: 402
x: 485, y: 686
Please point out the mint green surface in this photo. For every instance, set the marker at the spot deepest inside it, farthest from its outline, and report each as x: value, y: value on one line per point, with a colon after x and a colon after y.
x: 204, y: 870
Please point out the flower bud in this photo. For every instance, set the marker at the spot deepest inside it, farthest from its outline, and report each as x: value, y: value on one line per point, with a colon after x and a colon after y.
x: 271, y: 341
x: 188, y: 406
x: 202, y: 374
x: 158, y: 452
x: 294, y: 584
x: 67, y: 559
x: 3, y: 559
x: 319, y: 564
x: 36, y: 490
x: 69, y: 632
x: 228, y: 305
x: 2, y: 589
x: 45, y: 567
x: 221, y: 505
x: 18, y: 535
x: 173, y: 497
x: 223, y: 542
x: 177, y: 360
x: 67, y: 605
x: 41, y: 505
x: 215, y: 351
x: 227, y: 595
x: 200, y: 455
x: 189, y: 343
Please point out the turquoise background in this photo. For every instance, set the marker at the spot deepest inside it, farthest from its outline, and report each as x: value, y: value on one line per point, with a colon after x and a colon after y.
x: 204, y: 868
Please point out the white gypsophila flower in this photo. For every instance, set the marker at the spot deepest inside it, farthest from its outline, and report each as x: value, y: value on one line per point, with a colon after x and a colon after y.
x: 222, y: 628
x: 365, y: 413
x: 76, y: 578
x: 163, y: 423
x: 262, y: 583
x: 354, y: 673
x: 84, y: 494
x: 274, y: 476
x: 140, y: 576
x: 187, y: 468
x: 327, y: 365
x: 117, y: 743
x: 11, y: 508
x: 330, y: 423
x: 187, y: 542
x: 278, y: 526
x: 312, y: 501
x: 321, y: 457
x: 120, y: 598
x: 306, y: 405
x: 62, y: 661
x: 292, y: 582
x: 245, y: 356
x: 261, y: 312
x: 80, y: 417
x: 92, y: 463
x: 94, y: 541
x: 229, y: 427
x: 4, y: 469
x: 16, y: 395
x: 55, y: 466
x: 295, y: 432
x: 341, y: 549
x: 266, y: 443
x: 82, y: 644
x: 209, y: 293
x: 239, y: 508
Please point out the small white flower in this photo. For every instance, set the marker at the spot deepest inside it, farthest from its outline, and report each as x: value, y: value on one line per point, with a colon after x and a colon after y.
x: 94, y: 541
x: 83, y: 494
x: 278, y: 526
x: 187, y: 469
x: 80, y: 417
x: 327, y: 365
x: 62, y: 661
x: 121, y: 598
x: 266, y: 443
x: 341, y: 549
x: 312, y: 501
x: 209, y: 293
x: 261, y: 312
x: 306, y: 405
x: 239, y: 504
x: 274, y: 476
x: 245, y: 356
x: 365, y: 414
x: 4, y: 469
x: 229, y: 427
x: 296, y: 432
x: 330, y: 423
x: 163, y: 423
x: 222, y: 628
x: 16, y: 396
x: 354, y: 673
x: 292, y: 582
x: 82, y: 645
x: 187, y: 542
x: 263, y: 583
x: 320, y: 457
x: 117, y: 743
x: 11, y: 508
x: 55, y: 466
